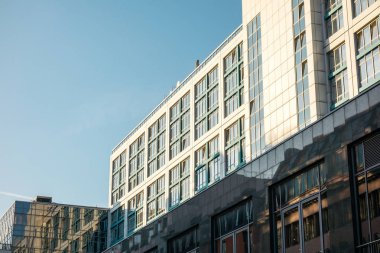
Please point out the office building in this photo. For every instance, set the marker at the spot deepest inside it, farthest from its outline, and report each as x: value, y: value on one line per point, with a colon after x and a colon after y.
x: 283, y: 69
x: 42, y: 226
x: 274, y: 106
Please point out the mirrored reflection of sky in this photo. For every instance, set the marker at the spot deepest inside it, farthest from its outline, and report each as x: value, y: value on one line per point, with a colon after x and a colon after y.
x: 77, y: 76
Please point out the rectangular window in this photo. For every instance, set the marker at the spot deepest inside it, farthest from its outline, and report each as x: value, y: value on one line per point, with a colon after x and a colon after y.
x: 179, y: 126
x: 338, y: 74
x: 256, y: 86
x: 206, y: 103
x: 179, y: 183
x: 333, y: 16
x: 156, y: 198
x: 135, y: 212
x: 76, y: 222
x: 233, y: 229
x: 187, y: 242
x: 136, y: 163
x: 361, y: 5
x: 117, y: 224
x: 207, y: 164
x: 301, y: 202
x: 118, y: 177
x: 366, y: 184
x: 368, y: 47
x: 74, y: 246
x: 233, y: 80
x: 156, y: 145
x: 301, y: 69
x: 235, y: 145
x: 88, y: 216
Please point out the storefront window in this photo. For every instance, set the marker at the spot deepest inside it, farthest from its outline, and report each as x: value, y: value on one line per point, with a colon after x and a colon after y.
x: 233, y: 229
x: 298, y: 204
x: 367, y: 194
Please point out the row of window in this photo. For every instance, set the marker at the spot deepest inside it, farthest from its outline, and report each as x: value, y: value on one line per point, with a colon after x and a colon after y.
x: 207, y: 164
x: 206, y: 103
x: 207, y: 171
x: 301, y: 65
x: 87, y: 243
x: 118, y: 177
x: 334, y: 13
x: 67, y: 226
x: 367, y: 43
x: 255, y: 80
x: 117, y: 224
x: 156, y: 145
x: 206, y: 117
x: 136, y: 162
x: 303, y: 207
x: 233, y: 80
x: 68, y: 221
x: 233, y: 232
x: 306, y: 212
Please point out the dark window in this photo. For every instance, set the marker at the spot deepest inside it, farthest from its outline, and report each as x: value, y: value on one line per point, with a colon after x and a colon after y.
x: 233, y: 231
x: 300, y: 207
x: 185, y: 243
x: 366, y: 171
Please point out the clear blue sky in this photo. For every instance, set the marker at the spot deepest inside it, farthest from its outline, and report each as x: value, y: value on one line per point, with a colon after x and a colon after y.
x: 77, y: 76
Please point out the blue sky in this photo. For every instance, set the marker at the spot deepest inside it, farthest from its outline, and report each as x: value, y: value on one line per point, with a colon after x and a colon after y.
x: 77, y: 76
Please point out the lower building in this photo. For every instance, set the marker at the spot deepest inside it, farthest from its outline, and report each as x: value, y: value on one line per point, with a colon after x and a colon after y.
x: 317, y: 191
x: 44, y: 227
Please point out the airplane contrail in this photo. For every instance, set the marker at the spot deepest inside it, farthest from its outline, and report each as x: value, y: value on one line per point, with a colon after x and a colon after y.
x: 9, y: 194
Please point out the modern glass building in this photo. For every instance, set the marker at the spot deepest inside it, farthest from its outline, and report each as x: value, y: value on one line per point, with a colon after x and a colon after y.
x: 263, y: 147
x: 44, y: 227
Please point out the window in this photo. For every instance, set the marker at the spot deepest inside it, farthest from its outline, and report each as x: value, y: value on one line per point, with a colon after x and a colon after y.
x: 298, y: 16
x: 179, y: 183
x: 136, y: 163
x: 206, y: 103
x: 368, y: 47
x: 118, y: 177
x: 186, y: 242
x: 235, y: 145
x: 255, y: 87
x: 233, y: 80
x: 156, y: 145
x: 74, y: 246
x: 180, y: 126
x: 207, y: 164
x: 338, y: 74
x: 333, y: 16
x: 301, y: 202
x: 65, y: 222
x: 366, y: 184
x: 156, y: 198
x: 88, y: 216
x: 87, y: 244
x: 135, y: 212
x: 76, y: 222
x: 301, y: 69
x: 233, y: 230
x: 117, y: 224
x: 361, y: 5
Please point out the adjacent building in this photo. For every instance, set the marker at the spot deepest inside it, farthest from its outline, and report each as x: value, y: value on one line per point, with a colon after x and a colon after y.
x: 42, y: 226
x: 256, y: 150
